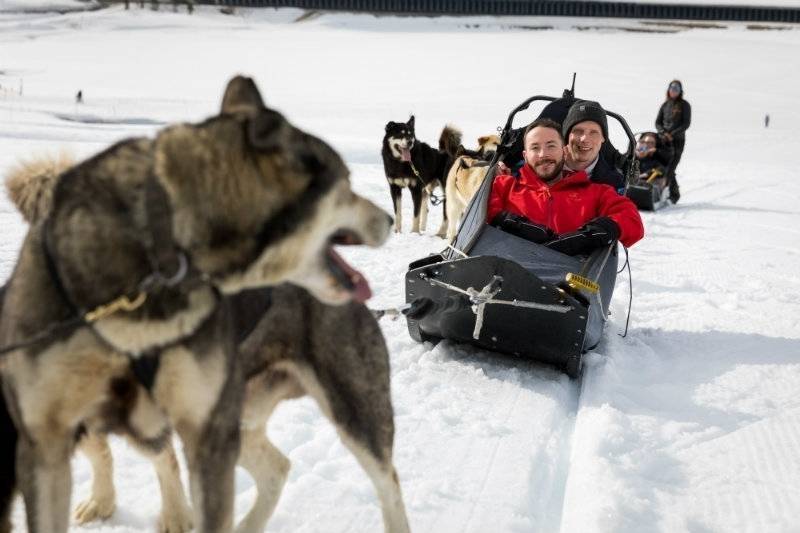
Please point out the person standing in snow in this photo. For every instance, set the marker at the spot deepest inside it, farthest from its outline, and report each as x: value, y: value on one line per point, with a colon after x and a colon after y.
x: 674, y: 118
x: 560, y: 208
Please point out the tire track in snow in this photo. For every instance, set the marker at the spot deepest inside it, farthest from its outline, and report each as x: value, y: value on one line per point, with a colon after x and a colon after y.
x: 492, y: 460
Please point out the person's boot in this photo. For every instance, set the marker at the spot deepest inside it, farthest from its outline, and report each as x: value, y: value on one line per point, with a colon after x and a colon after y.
x: 674, y: 191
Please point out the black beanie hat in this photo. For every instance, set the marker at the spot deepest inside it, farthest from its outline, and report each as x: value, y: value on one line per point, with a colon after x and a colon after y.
x: 585, y: 110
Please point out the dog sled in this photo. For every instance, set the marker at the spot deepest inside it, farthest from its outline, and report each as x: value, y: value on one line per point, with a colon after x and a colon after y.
x: 650, y: 190
x: 649, y: 195
x: 495, y: 290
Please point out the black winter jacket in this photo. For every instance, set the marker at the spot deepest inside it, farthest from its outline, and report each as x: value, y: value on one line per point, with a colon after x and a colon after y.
x: 674, y: 117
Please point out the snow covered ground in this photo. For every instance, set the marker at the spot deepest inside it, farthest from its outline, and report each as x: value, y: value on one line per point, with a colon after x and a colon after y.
x: 690, y: 423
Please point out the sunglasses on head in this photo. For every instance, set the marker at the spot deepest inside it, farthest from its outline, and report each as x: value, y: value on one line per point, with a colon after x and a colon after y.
x: 675, y: 87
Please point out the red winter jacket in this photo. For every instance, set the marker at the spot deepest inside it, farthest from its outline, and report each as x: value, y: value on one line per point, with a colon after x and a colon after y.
x: 567, y: 205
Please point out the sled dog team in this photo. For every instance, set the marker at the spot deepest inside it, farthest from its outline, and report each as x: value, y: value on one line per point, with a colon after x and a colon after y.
x: 458, y: 172
x: 150, y: 295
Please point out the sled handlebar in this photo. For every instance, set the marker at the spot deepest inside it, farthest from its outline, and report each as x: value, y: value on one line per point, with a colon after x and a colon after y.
x: 526, y: 104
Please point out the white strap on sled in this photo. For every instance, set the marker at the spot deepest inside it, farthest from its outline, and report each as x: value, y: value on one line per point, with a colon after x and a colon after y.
x: 480, y: 299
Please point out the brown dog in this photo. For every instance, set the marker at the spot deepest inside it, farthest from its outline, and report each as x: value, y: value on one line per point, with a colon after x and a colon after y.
x: 464, y: 179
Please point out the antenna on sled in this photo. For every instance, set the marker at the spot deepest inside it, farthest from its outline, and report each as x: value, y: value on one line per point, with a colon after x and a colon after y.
x: 570, y: 93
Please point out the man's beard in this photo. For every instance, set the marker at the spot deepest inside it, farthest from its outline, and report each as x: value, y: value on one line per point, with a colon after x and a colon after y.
x: 555, y: 173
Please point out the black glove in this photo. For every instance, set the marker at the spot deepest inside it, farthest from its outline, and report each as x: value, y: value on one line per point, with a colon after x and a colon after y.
x: 601, y: 231
x: 522, y: 227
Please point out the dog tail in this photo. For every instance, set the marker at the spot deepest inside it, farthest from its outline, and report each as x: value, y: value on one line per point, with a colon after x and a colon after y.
x: 450, y: 141
x: 30, y: 184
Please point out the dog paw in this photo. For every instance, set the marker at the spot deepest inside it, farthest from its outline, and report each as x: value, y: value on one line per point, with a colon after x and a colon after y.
x: 176, y: 522
x: 94, y: 509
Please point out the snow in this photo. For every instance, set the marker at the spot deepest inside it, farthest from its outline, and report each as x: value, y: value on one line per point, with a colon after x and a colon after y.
x: 690, y: 423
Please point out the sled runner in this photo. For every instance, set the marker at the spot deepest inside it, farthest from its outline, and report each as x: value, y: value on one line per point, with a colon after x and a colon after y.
x: 498, y: 291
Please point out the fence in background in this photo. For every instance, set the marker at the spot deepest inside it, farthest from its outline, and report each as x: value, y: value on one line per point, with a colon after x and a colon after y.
x: 557, y: 8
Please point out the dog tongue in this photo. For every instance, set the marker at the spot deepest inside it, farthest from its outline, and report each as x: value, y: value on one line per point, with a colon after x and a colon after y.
x: 353, y: 279
x: 405, y: 154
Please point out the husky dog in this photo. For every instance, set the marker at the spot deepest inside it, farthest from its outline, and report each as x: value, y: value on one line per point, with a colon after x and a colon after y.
x: 408, y: 162
x: 117, y: 311
x: 337, y: 355
x: 465, y: 178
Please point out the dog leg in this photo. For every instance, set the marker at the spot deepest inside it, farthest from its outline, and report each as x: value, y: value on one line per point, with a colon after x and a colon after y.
x: 443, y: 227
x: 384, y: 477
x: 176, y: 515
x: 269, y: 469
x: 423, y: 209
x: 452, y: 221
x: 211, y: 454
x: 397, y: 203
x: 45, y: 478
x: 366, y: 428
x: 102, y: 501
x: 420, y: 202
x: 455, y: 208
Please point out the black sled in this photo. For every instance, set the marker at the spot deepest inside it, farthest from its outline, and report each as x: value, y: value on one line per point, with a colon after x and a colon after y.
x: 650, y: 190
x: 648, y: 196
x: 506, y: 294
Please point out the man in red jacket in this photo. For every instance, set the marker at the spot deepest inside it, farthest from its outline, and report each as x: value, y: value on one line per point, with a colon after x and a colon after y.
x: 563, y: 210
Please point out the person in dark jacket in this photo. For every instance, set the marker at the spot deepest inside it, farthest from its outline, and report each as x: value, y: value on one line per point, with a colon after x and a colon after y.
x: 558, y: 208
x: 654, y: 158
x: 585, y: 131
x: 674, y: 118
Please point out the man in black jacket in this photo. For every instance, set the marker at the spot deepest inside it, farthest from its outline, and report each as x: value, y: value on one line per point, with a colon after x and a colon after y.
x: 585, y: 131
x: 674, y: 117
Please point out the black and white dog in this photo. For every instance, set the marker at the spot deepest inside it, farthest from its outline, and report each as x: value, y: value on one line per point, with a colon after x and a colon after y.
x: 411, y: 163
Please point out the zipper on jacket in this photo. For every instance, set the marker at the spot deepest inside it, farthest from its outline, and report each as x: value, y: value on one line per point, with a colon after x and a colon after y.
x: 549, y: 207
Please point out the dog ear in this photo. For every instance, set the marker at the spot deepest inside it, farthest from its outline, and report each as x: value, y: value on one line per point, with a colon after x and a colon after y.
x: 268, y: 130
x: 390, y: 125
x: 411, y: 122
x: 241, y: 94
x: 482, y: 140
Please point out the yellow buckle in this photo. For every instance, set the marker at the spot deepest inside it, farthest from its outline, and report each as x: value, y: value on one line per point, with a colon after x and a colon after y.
x: 579, y: 282
x: 123, y: 303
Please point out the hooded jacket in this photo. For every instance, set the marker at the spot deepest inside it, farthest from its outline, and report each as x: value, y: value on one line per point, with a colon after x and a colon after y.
x: 566, y: 206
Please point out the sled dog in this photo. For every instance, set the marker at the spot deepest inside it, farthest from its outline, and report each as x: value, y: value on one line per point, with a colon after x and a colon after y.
x: 118, y: 309
x: 464, y: 179
x: 337, y: 355
x: 408, y: 162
